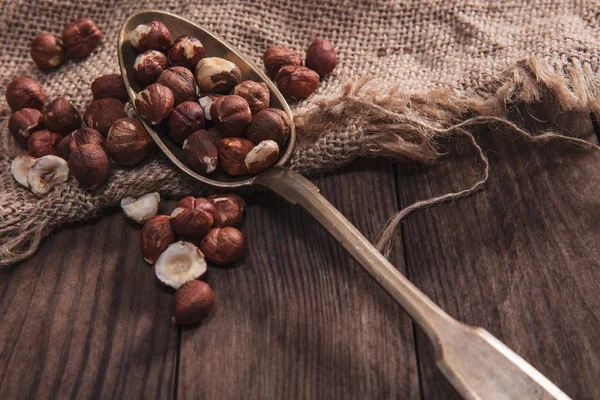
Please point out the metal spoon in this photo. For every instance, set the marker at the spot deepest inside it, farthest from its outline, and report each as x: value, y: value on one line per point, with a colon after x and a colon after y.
x: 475, y: 362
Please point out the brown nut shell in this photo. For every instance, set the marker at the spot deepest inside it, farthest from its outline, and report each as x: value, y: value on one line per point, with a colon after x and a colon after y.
x: 193, y: 302
x: 156, y: 237
x: 101, y: 114
x: 186, y: 51
x: 185, y: 119
x: 232, y: 155
x: 223, y: 245
x: 90, y: 165
x: 155, y: 103
x: 297, y: 82
x: 255, y: 93
x: 47, y: 51
x: 61, y: 116
x: 78, y: 138
x: 269, y: 124
x: 23, y: 123
x: 109, y: 86
x: 81, y: 37
x: 43, y: 143
x: 229, y: 210
x: 153, y: 35
x: 321, y: 57
x: 181, y: 82
x: 25, y: 93
x: 192, y: 217
x: 201, y: 151
x: 230, y: 114
x: 128, y: 143
x: 148, y: 66
x: 277, y: 57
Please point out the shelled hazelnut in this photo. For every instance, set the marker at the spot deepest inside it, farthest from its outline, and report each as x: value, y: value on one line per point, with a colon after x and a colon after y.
x: 269, y: 124
x: 61, y: 116
x: 231, y: 114
x: 150, y: 36
x: 90, y: 165
x: 229, y: 210
x: 296, y: 82
x: 186, y: 51
x: 181, y: 82
x: 255, y: 93
x: 193, y: 217
x: 185, y: 119
x: 109, y: 86
x: 43, y: 143
x: 262, y: 156
x: 25, y: 93
x: 321, y: 57
x: 45, y: 173
x: 81, y: 37
x: 232, y: 155
x: 201, y: 151
x: 277, y: 57
x: 23, y: 123
x: 181, y: 262
x: 155, y: 103
x: 148, y: 66
x: 79, y: 138
x: 217, y: 75
x: 47, y: 51
x: 128, y: 142
x: 192, y: 303
x: 101, y: 114
x: 156, y: 237
x: 223, y: 245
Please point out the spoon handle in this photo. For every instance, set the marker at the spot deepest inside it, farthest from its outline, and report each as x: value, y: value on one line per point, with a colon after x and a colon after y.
x: 477, y: 364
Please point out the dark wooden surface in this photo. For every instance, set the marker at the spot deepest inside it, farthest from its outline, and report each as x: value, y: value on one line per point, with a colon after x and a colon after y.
x: 85, y: 318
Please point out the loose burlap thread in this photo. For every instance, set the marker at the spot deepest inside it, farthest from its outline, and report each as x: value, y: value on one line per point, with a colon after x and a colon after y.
x: 418, y: 71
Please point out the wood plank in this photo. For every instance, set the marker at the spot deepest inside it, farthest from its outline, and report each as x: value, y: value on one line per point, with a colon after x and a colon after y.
x: 298, y: 318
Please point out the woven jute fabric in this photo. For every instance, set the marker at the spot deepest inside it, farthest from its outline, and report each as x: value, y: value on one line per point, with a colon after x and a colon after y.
x: 408, y: 72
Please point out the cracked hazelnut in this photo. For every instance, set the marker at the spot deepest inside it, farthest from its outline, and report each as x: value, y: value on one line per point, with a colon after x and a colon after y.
x: 101, y: 114
x: 156, y: 237
x: 229, y: 210
x: 81, y: 37
x: 201, y: 151
x: 223, y: 245
x: 148, y: 66
x: 193, y: 302
x: 89, y: 164
x: 320, y: 57
x: 277, y: 57
x: 232, y: 155
x: 231, y: 115
x: 297, y: 82
x: 25, y: 93
x: 187, y: 51
x: 78, y: 138
x: 269, y: 124
x: 193, y: 217
x: 128, y: 142
x: 23, y: 123
x: 262, y: 156
x: 61, y: 116
x: 185, y: 119
x: 181, y: 82
x: 150, y: 36
x: 45, y: 173
x: 19, y: 167
x: 155, y: 103
x: 109, y: 86
x: 47, y: 51
x: 217, y: 75
x: 181, y: 262
x: 43, y: 143
x: 255, y: 93
x: 142, y: 209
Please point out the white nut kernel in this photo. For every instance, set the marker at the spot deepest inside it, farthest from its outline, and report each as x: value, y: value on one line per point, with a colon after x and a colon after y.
x: 45, y: 173
x: 142, y: 209
x: 179, y: 263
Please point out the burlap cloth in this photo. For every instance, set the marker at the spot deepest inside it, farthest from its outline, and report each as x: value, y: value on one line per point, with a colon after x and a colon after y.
x: 438, y: 68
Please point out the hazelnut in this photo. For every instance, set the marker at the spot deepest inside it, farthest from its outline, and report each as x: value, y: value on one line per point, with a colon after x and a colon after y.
x: 148, y: 66
x: 181, y: 262
x: 320, y: 57
x: 185, y: 119
x: 255, y: 93
x: 269, y: 124
x: 262, y: 156
x: 45, y: 173
x: 229, y: 210
x: 206, y: 101
x: 297, y: 82
x: 89, y: 164
x: 223, y: 245
x: 101, y: 114
x: 192, y: 303
x: 154, y: 103
x: 156, y: 237
x: 193, y: 217
x: 277, y: 57
x: 61, y: 116
x: 128, y: 142
x: 186, y: 51
x: 217, y: 75
x: 19, y: 167
x: 231, y: 115
x: 181, y: 82
x: 25, y: 93
x: 23, y: 123
x: 78, y: 138
x: 142, y: 209
x: 232, y: 155
x: 201, y: 152
x: 43, y: 143
x: 47, y: 51
x: 109, y: 86
x: 150, y: 36
x: 81, y: 37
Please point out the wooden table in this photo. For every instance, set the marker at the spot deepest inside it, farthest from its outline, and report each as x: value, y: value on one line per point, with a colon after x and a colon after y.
x: 85, y: 317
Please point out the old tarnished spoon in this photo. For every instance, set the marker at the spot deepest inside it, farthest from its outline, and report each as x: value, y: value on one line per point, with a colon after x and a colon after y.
x: 475, y: 362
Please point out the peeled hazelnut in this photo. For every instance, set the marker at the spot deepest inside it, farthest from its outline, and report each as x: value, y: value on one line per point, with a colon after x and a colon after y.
x: 142, y: 209
x: 181, y: 262
x: 128, y: 142
x: 155, y: 103
x: 217, y: 75
x: 201, y: 152
x: 192, y: 302
x: 109, y: 86
x: 232, y: 155
x: 47, y: 51
x: 262, y: 156
x: 269, y: 124
x: 148, y: 66
x: 277, y: 57
x: 45, y: 173
x: 231, y: 115
x: 89, y: 164
x: 193, y: 217
x: 185, y: 119
x: 61, y: 116
x: 255, y: 93
x: 43, y: 143
x: 206, y: 103
x: 181, y: 82
x: 81, y: 37
x: 156, y: 237
x: 20, y: 167
x: 78, y: 138
x: 23, y: 123
x: 297, y: 82
x: 223, y: 245
x: 186, y: 51
x: 320, y: 57
x: 25, y: 93
x: 151, y: 36
x: 229, y: 210
x: 101, y: 114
